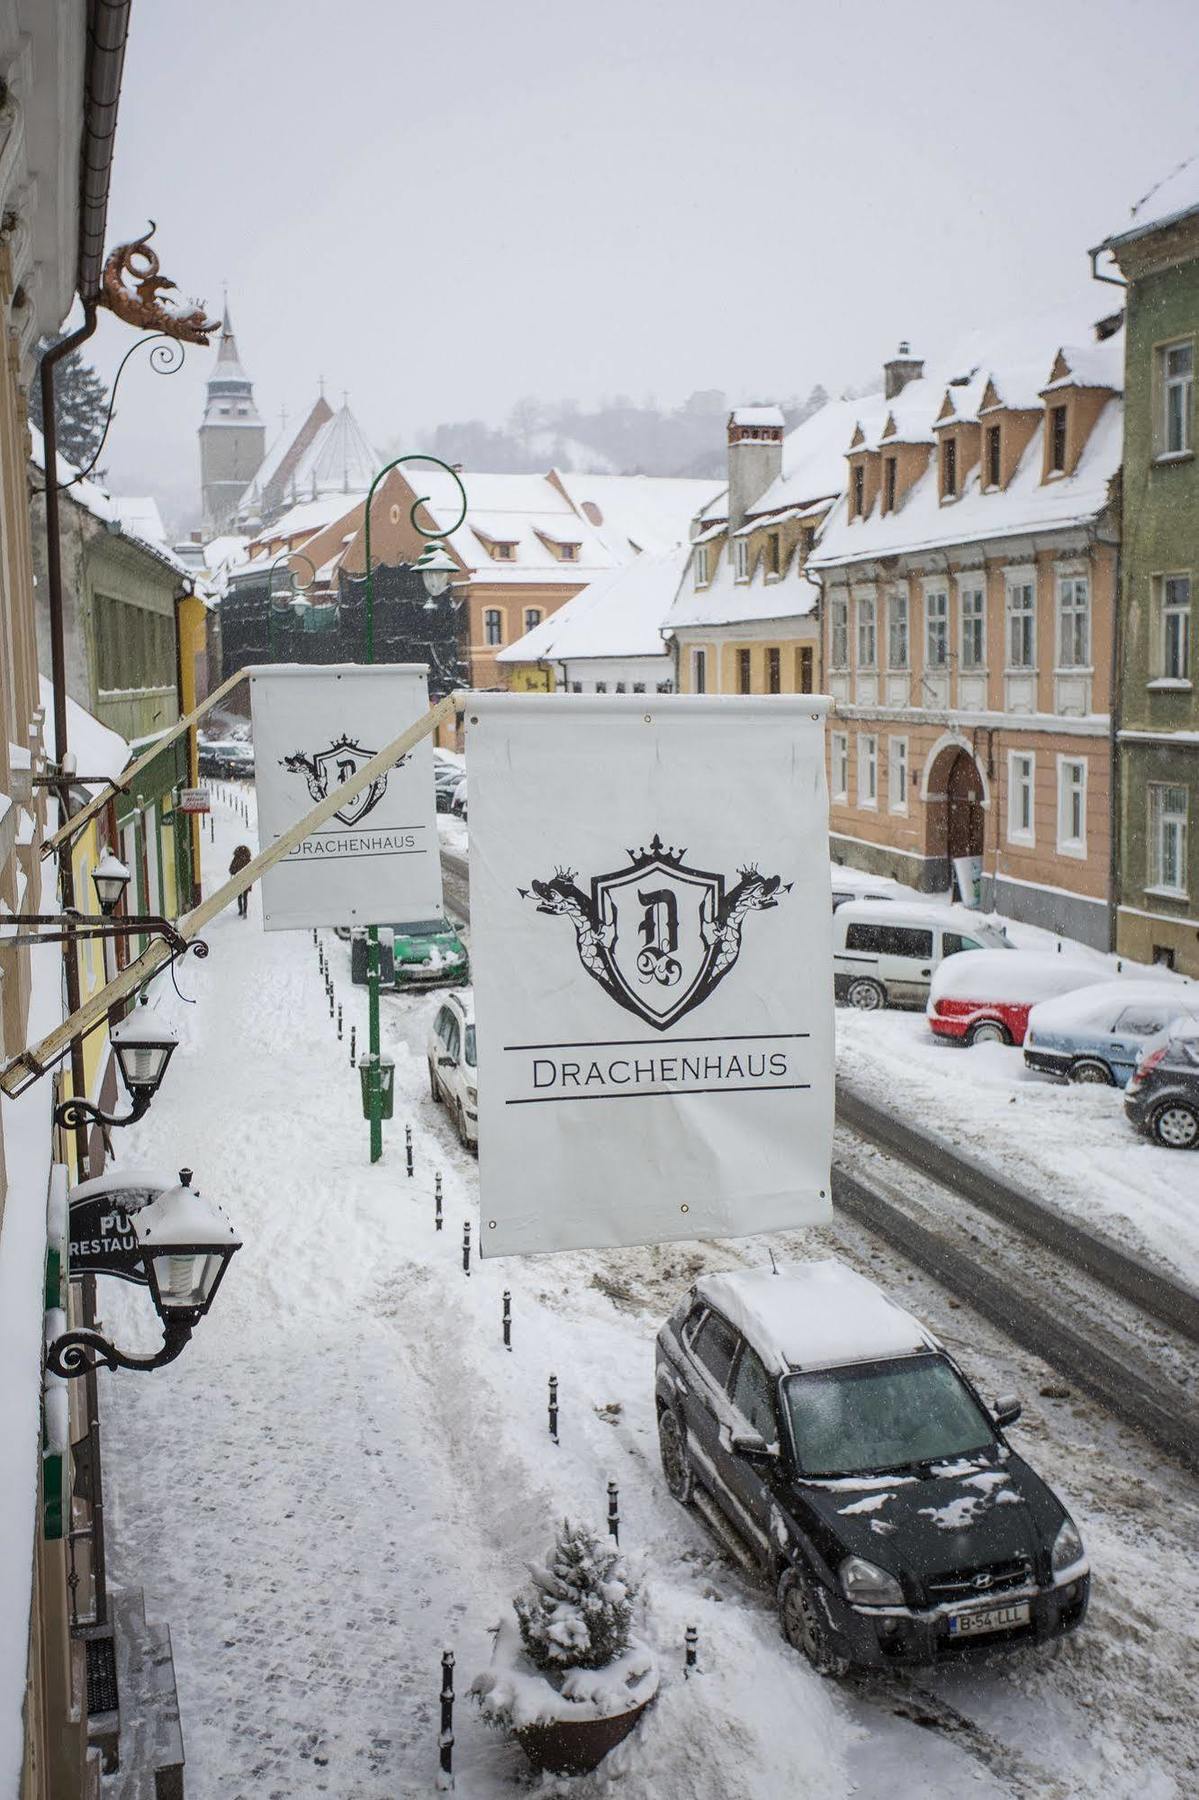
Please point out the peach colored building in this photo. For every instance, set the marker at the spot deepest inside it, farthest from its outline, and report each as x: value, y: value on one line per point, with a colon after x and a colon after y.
x: 969, y: 575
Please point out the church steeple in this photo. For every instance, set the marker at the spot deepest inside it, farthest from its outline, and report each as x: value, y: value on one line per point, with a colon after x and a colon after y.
x: 232, y: 434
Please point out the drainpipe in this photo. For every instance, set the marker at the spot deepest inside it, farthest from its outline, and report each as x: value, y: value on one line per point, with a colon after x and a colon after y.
x: 1113, y: 780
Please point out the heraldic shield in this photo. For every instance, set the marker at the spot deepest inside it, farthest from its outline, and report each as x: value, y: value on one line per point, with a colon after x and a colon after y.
x: 330, y: 768
x: 657, y: 923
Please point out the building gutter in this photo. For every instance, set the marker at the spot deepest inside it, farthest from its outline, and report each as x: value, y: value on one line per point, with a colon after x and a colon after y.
x: 107, y: 33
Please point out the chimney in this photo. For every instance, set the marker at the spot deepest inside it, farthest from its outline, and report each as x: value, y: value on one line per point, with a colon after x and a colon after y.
x: 755, y: 457
x: 902, y: 368
x: 197, y: 537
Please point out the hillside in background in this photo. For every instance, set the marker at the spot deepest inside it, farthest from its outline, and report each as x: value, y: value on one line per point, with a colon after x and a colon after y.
x: 620, y: 436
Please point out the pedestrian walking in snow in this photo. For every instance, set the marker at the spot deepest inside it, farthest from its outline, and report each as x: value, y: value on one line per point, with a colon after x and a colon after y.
x: 241, y: 856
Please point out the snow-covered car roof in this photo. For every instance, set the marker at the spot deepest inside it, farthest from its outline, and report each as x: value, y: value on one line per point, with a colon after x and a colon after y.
x: 923, y: 912
x: 1017, y: 976
x: 813, y: 1315
x: 1106, y: 998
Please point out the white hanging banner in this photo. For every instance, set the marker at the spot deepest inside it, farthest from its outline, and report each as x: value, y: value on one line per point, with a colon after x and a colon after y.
x: 377, y: 861
x: 651, y: 933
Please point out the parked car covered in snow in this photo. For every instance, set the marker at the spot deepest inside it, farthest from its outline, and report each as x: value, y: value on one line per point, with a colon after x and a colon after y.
x: 839, y: 1451
x: 453, y: 1076
x: 885, y: 951
x: 855, y: 884
x: 986, y: 999
x: 423, y: 952
x: 1098, y: 1033
x: 1162, y: 1099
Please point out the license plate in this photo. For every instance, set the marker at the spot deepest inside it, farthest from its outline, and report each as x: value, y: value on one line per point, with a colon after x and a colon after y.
x: 991, y: 1618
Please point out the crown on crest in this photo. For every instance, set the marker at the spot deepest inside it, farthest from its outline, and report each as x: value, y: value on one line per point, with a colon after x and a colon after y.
x: 561, y: 874
x: 658, y: 852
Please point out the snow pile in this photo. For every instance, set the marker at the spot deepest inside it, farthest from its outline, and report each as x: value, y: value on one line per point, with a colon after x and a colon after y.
x: 514, y: 1694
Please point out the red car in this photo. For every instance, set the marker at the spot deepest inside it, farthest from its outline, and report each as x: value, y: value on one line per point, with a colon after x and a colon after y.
x: 986, y: 997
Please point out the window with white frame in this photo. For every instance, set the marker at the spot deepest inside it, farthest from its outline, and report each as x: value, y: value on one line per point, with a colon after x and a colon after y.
x: 936, y: 629
x: 1073, y: 622
x: 1174, y: 601
x: 701, y: 565
x: 1072, y: 805
x: 1021, y: 625
x: 867, y: 769
x: 838, y: 633
x: 839, y: 765
x: 741, y: 558
x: 974, y: 626
x: 867, y: 633
x: 1021, y: 797
x: 897, y: 774
x: 897, y: 630
x: 1168, y: 837
x: 1176, y: 365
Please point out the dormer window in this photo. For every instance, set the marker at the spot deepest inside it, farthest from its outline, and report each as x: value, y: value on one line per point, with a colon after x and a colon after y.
x: 773, y: 554
x: 502, y: 552
x: 701, y: 566
x: 1057, y: 440
x: 994, y: 457
x: 889, y: 472
x: 858, y: 503
x: 741, y: 559
x: 569, y: 552
x: 807, y: 540
x: 949, y: 468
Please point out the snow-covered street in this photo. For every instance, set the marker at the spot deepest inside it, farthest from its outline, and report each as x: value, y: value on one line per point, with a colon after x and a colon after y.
x: 345, y: 1472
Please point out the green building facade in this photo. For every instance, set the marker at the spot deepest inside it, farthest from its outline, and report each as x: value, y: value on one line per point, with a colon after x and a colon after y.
x: 1157, y: 711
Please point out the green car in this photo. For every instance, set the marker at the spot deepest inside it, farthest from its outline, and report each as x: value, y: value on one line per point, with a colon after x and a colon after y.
x: 423, y: 954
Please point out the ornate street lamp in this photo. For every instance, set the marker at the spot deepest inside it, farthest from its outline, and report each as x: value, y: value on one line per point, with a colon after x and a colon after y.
x: 436, y: 567
x: 294, y: 599
x: 186, y: 1243
x: 110, y: 878
x: 143, y: 1046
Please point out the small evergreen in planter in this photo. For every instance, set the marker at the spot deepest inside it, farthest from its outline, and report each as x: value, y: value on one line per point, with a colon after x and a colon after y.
x: 576, y: 1679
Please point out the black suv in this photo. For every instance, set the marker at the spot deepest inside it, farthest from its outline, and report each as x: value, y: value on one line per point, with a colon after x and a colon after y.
x: 1162, y: 1099
x: 839, y: 1452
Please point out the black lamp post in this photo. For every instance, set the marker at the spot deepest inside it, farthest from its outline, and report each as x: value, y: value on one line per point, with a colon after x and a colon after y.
x: 186, y: 1244
x: 143, y: 1046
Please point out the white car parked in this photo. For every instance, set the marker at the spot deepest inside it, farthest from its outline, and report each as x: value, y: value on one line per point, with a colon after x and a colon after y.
x: 453, y: 1077
x: 885, y: 951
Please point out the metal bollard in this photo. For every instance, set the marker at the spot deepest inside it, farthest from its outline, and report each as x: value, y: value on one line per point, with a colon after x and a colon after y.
x: 353, y: 1046
x: 408, y: 1148
x: 437, y: 1200
x: 614, y: 1512
x: 691, y: 1638
x: 466, y: 1248
x: 507, y: 1320
x: 445, y: 1739
x: 339, y: 1033
x: 554, y: 1407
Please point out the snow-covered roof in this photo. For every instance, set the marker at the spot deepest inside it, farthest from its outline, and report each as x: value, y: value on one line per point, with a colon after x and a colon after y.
x: 338, y: 460
x: 922, y: 521
x: 1091, y: 365
x: 140, y: 517
x: 97, y: 750
x: 1175, y: 195
x: 813, y: 1315
x: 1014, y: 977
x: 637, y: 512
x: 525, y: 510
x: 758, y: 417
x: 1102, y: 1002
x: 305, y: 518
x: 620, y: 613
x: 726, y: 601
x: 97, y: 501
x: 813, y: 458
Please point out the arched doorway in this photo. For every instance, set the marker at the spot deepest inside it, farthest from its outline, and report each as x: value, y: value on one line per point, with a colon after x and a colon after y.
x: 964, y: 808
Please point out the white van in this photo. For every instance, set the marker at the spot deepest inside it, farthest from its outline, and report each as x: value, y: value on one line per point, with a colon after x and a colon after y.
x: 855, y: 884
x: 886, y: 951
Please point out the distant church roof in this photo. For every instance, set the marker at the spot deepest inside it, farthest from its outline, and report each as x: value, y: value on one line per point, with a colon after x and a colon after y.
x: 338, y: 460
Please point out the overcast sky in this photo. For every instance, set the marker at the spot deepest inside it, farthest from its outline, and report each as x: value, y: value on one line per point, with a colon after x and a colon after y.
x: 442, y: 208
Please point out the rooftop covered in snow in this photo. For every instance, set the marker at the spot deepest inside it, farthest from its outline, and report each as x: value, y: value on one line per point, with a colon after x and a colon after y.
x: 619, y: 614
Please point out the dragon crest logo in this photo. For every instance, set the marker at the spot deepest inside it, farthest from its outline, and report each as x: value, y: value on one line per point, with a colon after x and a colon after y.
x: 658, y: 936
x: 333, y: 766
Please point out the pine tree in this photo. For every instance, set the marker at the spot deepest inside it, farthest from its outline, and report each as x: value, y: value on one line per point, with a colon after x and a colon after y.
x: 80, y: 408
x: 577, y: 1611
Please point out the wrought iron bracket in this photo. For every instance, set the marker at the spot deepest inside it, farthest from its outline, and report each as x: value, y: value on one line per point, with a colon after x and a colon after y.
x: 79, y: 1352
x: 87, y: 925
x: 77, y: 1111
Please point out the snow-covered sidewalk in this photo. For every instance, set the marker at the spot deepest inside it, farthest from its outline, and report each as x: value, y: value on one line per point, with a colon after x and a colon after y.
x: 345, y: 1472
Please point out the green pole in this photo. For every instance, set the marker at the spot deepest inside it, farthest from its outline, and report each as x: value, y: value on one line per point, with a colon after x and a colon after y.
x: 374, y: 1088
